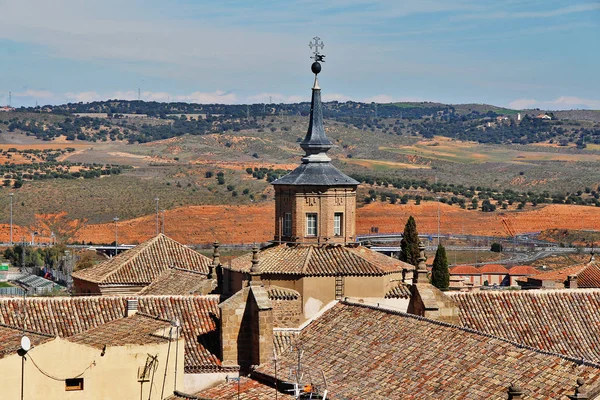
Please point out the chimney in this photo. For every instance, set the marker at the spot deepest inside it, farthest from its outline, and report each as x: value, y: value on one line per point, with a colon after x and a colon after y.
x: 514, y: 392
x: 255, y: 269
x: 420, y: 274
x: 580, y: 391
x: 132, y: 307
x: 572, y: 281
x: 215, y: 262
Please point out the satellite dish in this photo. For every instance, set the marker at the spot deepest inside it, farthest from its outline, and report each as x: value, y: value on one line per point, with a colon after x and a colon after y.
x: 25, y: 343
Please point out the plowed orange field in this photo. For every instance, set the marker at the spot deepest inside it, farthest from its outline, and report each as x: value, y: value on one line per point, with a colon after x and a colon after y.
x: 247, y: 224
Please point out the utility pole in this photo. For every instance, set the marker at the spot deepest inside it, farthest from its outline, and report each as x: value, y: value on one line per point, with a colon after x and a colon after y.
x: 156, y: 199
x: 163, y: 221
x: 116, y: 219
x: 10, y: 99
x: 11, y: 218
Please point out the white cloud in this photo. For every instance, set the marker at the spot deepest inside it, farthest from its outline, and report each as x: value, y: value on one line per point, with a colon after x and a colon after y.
x: 34, y: 93
x: 335, y: 97
x: 218, y: 96
x: 576, y: 102
x: 560, y: 103
x: 520, y: 104
x: 82, y: 96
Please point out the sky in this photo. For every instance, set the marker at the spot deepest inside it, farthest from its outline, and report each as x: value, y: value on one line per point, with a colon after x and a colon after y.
x: 518, y: 54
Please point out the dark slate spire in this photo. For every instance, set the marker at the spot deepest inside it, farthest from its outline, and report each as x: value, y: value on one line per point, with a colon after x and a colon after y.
x: 316, y: 143
x: 316, y: 168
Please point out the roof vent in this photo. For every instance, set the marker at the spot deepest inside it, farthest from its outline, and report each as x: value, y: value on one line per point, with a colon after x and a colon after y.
x: 132, y: 307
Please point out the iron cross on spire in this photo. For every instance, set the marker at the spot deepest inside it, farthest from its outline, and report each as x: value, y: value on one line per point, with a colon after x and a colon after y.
x: 317, y: 44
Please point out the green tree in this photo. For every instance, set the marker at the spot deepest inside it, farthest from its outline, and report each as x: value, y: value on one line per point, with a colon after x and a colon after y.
x: 410, y: 243
x: 440, y: 277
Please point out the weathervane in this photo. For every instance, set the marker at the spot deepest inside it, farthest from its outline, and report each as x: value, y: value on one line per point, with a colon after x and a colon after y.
x: 316, y: 44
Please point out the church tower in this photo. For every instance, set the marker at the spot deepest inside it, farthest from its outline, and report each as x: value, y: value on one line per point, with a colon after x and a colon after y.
x: 315, y: 203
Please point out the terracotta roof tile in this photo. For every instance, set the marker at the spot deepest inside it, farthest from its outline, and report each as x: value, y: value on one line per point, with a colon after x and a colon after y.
x: 249, y: 389
x: 523, y: 270
x: 281, y: 293
x: 464, y: 270
x: 400, y: 291
x: 145, y: 262
x: 10, y: 339
x: 68, y: 316
x: 562, y: 321
x: 559, y: 275
x: 368, y: 353
x: 283, y: 340
x: 493, y: 269
x: 176, y: 281
x: 138, y: 329
x: 327, y: 260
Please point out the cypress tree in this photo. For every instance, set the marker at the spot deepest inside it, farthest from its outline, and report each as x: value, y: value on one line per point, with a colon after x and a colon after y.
x: 410, y: 243
x: 440, y: 276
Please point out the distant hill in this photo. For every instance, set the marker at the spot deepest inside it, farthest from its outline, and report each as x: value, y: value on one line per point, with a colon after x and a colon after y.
x: 141, y: 121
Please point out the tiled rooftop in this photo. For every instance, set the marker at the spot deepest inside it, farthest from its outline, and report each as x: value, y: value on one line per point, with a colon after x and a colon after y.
x: 326, y: 260
x: 563, y: 321
x: 249, y: 389
x: 493, y: 269
x: 368, y: 353
x: 588, y: 275
x: 464, y: 270
x: 400, y: 291
x: 145, y: 262
x: 138, y: 329
x: 10, y: 339
x: 68, y: 316
x: 281, y: 293
x: 176, y: 281
x: 284, y: 339
x: 523, y: 270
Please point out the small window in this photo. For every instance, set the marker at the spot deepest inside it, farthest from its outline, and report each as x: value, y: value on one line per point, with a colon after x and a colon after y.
x: 311, y: 224
x: 74, y: 384
x: 337, y: 224
x: 287, y: 224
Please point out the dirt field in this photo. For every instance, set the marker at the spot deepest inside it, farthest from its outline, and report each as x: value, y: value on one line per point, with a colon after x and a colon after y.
x: 254, y: 223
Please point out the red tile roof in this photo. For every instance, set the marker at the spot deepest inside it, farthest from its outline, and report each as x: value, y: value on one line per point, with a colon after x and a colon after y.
x: 281, y: 293
x: 10, y: 339
x: 558, y: 275
x: 368, y: 353
x: 493, y: 269
x: 588, y: 275
x: 562, y: 321
x: 283, y: 339
x: 522, y: 270
x: 464, y: 270
x: 138, y: 329
x: 326, y: 260
x: 68, y: 316
x: 176, y: 281
x: 145, y: 262
x: 249, y: 389
x: 400, y: 291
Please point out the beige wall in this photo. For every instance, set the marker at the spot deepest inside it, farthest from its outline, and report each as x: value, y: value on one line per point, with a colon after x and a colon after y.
x: 325, y: 202
x: 109, y: 377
